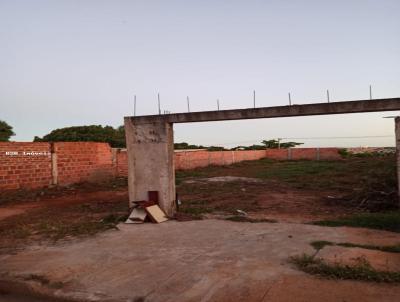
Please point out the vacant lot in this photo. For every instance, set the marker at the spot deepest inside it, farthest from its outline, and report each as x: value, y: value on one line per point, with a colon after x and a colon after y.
x: 294, y: 191
x: 288, y: 191
x: 46, y: 236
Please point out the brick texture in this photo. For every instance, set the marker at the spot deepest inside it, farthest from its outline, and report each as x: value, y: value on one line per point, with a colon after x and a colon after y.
x: 83, y: 161
x: 24, y: 165
x: 303, y: 153
x: 121, y: 162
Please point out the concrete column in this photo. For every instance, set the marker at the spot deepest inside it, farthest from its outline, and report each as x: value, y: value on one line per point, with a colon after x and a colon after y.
x: 54, y: 167
x: 397, y: 135
x: 150, y: 149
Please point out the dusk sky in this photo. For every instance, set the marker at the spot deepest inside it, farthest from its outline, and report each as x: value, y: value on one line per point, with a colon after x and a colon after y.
x: 71, y: 63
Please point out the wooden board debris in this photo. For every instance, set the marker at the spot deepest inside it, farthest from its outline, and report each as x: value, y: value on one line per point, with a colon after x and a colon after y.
x: 137, y: 215
x: 156, y: 214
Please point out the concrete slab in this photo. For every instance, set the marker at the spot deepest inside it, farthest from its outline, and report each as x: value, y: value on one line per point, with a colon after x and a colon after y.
x: 209, y: 260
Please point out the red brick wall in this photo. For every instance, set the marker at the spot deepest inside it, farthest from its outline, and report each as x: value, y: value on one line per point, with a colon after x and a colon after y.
x: 185, y: 160
x: 83, y: 161
x: 303, y: 153
x: 278, y: 154
x: 329, y: 154
x: 121, y: 162
x: 24, y: 170
x: 89, y: 161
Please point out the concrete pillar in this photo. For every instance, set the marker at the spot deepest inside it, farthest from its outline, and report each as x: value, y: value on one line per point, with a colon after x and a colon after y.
x: 289, y: 153
x: 54, y: 167
x: 397, y: 135
x: 150, y: 148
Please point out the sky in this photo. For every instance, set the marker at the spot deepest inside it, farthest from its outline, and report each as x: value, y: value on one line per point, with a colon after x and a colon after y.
x: 71, y: 63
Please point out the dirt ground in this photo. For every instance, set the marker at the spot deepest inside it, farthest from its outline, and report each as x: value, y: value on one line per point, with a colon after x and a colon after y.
x: 60, y: 213
x: 290, y: 193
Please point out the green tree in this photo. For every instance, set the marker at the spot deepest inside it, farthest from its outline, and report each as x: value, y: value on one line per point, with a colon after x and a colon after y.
x: 92, y: 133
x: 216, y: 148
x: 274, y: 144
x: 5, y: 131
x: 186, y: 146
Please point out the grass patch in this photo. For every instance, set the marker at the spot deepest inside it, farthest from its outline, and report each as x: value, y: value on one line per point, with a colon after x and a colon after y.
x: 181, y: 175
x: 361, y: 271
x: 237, y: 218
x: 384, y: 248
x: 305, y: 173
x: 290, y: 170
x: 18, y: 231
x: 318, y: 245
x: 348, y: 175
x: 57, y: 230
x: 196, y: 209
x: 389, y: 221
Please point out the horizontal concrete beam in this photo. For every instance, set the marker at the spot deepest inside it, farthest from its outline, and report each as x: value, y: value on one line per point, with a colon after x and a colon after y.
x: 375, y: 105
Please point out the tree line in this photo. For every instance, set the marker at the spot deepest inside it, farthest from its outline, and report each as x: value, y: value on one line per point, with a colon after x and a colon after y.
x: 116, y: 138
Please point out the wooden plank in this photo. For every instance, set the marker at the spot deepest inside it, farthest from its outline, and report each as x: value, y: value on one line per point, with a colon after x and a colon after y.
x: 156, y: 214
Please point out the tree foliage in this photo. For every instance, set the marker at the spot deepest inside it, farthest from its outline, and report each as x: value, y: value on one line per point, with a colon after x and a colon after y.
x: 186, y: 146
x: 92, y: 133
x: 5, y: 131
x: 252, y: 147
x: 266, y: 144
x: 274, y: 144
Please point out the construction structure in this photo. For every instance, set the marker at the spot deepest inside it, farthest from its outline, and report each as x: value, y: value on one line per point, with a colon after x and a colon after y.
x: 150, y: 141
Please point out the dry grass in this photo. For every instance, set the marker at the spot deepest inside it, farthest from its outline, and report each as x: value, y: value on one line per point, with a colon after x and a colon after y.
x: 361, y: 271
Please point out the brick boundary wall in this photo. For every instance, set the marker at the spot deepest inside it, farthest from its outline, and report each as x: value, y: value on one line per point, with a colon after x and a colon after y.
x: 190, y: 159
x: 121, y: 162
x: 25, y: 165
x: 36, y: 165
x: 83, y: 161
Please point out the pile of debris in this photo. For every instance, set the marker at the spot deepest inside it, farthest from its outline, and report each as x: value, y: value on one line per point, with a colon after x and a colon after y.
x: 147, y: 210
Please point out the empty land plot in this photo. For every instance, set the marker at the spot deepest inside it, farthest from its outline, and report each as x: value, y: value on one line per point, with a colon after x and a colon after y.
x: 268, y: 191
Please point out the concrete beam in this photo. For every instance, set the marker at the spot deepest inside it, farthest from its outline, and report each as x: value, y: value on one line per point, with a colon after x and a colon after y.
x: 375, y: 105
x: 150, y: 142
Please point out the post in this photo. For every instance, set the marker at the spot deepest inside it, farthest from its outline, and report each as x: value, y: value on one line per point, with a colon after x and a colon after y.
x: 254, y: 98
x: 397, y: 136
x: 370, y: 92
x: 150, y: 148
x: 134, y: 106
x: 290, y: 100
x: 159, y: 104
x: 188, y: 105
x: 54, y: 166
